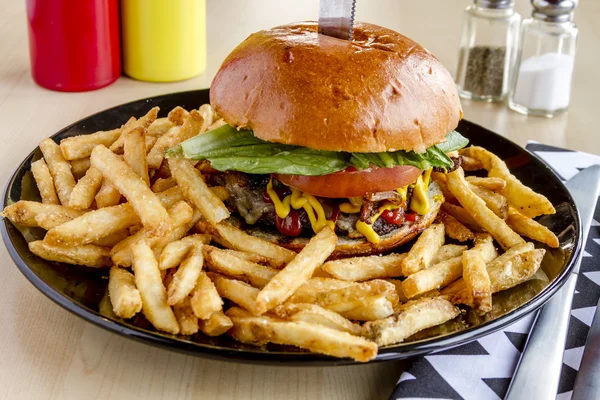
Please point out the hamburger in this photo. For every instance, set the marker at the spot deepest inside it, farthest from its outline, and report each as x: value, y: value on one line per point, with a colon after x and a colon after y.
x: 328, y: 132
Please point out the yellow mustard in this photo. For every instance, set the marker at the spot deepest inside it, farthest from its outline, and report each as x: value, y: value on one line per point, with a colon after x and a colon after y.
x: 163, y: 40
x: 419, y: 202
x: 298, y: 200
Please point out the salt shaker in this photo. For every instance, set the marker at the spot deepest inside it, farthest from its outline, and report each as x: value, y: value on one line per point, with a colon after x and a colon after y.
x: 545, y: 60
x: 487, y: 49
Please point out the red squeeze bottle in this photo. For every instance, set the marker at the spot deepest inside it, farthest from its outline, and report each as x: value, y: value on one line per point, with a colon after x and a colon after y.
x: 74, y: 44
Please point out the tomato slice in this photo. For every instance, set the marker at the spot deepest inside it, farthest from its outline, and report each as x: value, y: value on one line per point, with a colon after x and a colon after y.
x: 353, y: 183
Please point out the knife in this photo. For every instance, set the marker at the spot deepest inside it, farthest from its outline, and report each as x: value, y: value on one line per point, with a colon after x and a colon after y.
x: 587, y: 384
x: 336, y: 18
x: 538, y: 373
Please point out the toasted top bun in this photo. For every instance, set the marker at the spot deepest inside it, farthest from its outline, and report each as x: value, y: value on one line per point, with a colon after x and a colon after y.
x: 379, y: 92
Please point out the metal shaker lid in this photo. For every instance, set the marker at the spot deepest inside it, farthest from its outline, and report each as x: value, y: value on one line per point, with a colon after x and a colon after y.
x: 554, y: 10
x: 495, y: 4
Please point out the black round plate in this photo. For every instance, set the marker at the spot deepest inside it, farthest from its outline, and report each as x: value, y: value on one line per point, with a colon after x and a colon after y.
x: 83, y: 291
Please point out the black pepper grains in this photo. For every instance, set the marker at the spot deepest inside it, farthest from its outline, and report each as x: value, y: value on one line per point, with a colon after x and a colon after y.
x: 485, y: 71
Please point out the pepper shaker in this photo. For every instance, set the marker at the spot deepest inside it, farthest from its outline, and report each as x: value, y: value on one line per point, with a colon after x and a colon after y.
x: 545, y: 59
x: 487, y: 49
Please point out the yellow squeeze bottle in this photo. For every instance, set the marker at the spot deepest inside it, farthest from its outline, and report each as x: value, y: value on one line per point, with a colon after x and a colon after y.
x: 163, y: 40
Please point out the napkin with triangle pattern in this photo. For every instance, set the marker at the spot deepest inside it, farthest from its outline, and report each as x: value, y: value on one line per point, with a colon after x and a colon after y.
x: 483, y: 368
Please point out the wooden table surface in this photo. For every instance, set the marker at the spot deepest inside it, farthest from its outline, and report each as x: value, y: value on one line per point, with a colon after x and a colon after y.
x: 49, y: 353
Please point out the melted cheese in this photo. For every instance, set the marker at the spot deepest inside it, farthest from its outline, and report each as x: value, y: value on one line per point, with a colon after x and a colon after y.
x: 298, y: 200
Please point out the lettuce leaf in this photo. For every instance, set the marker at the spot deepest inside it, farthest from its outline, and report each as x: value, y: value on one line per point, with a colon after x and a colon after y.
x: 229, y: 149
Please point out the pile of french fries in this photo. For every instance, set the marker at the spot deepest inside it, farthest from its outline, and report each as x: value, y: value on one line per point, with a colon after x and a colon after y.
x: 111, y: 200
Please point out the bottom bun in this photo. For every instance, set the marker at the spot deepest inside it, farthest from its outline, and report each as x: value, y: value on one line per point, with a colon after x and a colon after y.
x: 348, y: 247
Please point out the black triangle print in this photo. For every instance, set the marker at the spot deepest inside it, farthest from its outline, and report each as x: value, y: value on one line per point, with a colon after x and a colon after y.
x: 589, y: 292
x: 470, y: 349
x: 567, y: 379
x: 577, y: 335
x: 517, y: 339
x: 498, y: 385
x: 428, y: 383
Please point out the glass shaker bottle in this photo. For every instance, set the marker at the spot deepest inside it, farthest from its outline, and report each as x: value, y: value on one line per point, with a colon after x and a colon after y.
x: 487, y: 49
x: 545, y: 61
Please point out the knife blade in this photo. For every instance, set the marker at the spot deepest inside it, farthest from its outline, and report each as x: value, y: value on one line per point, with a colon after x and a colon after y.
x: 538, y: 371
x: 336, y: 18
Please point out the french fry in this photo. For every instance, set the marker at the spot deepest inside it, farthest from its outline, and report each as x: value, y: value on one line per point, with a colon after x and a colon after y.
x: 379, y: 308
x: 124, y: 296
x: 113, y: 239
x: 310, y: 290
x: 298, y: 271
x: 134, y: 152
x: 217, y: 124
x: 521, y: 197
x: 434, y: 277
x: 24, y: 212
x: 178, y: 115
x: 495, y: 184
x: 255, y: 258
x: 149, y: 283
x: 454, y: 228
x: 365, y: 268
x: 86, y: 189
x: 144, y: 122
x: 498, y: 262
x: 448, y: 251
x: 181, y: 215
x: 205, y: 298
x: 51, y: 220
x: 190, y: 128
x: 316, y: 338
x: 415, y: 316
x: 221, y: 192
x: 159, y: 127
x: 80, y: 167
x: 163, y: 171
x: 314, y: 314
x: 485, y: 245
x: 108, y: 195
x: 174, y: 253
x: 239, y: 292
x: 225, y: 263
x: 195, y: 190
x: 186, y: 276
x: 507, y: 275
x: 145, y: 203
x: 462, y: 216
x: 92, y: 226
x: 162, y: 184
x: 442, y: 182
x: 44, y: 182
x: 60, y: 169
x: 87, y: 255
x: 170, y: 197
x: 420, y: 255
x: 217, y: 324
x: 527, y: 227
x: 470, y: 163
x: 477, y: 280
x: 478, y: 209
x: 207, y: 115
x: 357, y: 295
x: 494, y: 201
x: 237, y: 239
x: 187, y: 320
x: 78, y: 147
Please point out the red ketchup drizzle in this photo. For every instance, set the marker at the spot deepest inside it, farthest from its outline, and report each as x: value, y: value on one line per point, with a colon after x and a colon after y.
x: 412, y: 217
x: 290, y: 225
x: 395, y: 217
